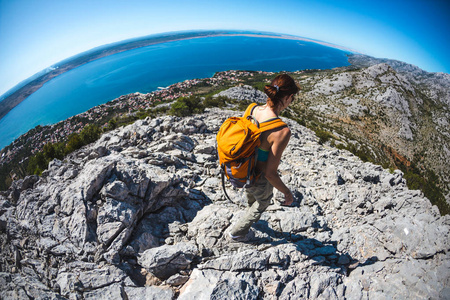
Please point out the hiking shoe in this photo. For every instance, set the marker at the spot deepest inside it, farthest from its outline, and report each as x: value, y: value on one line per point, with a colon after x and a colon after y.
x: 240, y: 238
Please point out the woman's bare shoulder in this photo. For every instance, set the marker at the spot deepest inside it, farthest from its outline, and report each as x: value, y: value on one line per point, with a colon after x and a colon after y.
x: 284, y: 133
x: 262, y: 113
x: 279, y: 135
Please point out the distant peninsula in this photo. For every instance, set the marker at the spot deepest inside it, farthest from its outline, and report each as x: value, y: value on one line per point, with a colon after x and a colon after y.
x: 19, y: 93
x: 16, y: 97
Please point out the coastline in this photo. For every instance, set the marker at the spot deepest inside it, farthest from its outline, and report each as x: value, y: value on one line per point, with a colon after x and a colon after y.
x: 16, y: 97
x: 34, y: 140
x: 68, y: 64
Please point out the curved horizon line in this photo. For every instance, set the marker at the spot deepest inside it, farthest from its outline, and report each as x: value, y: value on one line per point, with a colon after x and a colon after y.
x: 166, y: 37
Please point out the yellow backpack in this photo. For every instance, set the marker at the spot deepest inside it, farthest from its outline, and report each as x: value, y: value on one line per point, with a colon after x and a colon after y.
x: 237, y: 142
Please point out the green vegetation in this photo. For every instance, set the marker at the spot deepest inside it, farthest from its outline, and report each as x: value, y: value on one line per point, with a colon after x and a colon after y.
x: 112, y: 124
x: 241, y: 105
x: 427, y: 183
x: 288, y: 114
x: 211, y: 101
x: 323, y: 135
x: 156, y: 112
x: 39, y: 162
x: 186, y: 106
x: 259, y: 85
x: 362, y: 152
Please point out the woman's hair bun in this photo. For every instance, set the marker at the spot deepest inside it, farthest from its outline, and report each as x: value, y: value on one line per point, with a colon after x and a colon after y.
x: 281, y: 86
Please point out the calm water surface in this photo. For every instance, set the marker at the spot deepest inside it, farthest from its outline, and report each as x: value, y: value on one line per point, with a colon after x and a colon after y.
x: 145, y: 69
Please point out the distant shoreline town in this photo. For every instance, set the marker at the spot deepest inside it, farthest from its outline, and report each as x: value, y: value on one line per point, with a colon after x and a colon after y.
x: 34, y: 140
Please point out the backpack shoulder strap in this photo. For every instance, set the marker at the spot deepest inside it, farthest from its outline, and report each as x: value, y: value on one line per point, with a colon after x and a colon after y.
x: 266, y: 125
x: 250, y: 109
x: 271, y: 124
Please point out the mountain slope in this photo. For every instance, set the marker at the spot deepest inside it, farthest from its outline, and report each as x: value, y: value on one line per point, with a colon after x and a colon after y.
x: 387, y: 112
x: 140, y: 214
x: 396, y: 115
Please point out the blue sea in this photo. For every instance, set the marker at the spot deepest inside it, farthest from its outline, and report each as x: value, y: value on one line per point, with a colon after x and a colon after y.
x: 147, y: 68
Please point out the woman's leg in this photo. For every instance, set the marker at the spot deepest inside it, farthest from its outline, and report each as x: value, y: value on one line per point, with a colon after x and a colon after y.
x: 258, y: 197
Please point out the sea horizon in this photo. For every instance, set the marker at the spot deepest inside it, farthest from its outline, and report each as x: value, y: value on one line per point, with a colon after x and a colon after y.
x: 172, y: 36
x: 144, y: 69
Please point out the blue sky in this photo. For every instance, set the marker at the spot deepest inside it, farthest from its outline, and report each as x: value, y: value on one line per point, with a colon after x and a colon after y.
x: 35, y: 34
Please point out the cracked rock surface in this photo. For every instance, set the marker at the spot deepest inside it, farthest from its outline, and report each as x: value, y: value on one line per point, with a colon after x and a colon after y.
x: 140, y: 214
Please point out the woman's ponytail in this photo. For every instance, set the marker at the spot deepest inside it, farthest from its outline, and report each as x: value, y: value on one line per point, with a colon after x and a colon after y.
x: 271, y: 91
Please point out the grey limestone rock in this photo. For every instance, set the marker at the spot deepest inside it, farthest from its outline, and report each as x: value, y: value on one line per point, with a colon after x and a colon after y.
x: 247, y: 260
x: 140, y: 214
x: 148, y: 292
x: 213, y: 284
x: 167, y: 260
x: 244, y: 93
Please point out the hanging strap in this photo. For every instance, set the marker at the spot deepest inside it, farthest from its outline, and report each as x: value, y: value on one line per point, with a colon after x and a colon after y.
x: 222, y: 173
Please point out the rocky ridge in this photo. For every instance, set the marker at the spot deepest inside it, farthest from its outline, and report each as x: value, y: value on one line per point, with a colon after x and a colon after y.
x: 140, y: 214
x: 387, y: 108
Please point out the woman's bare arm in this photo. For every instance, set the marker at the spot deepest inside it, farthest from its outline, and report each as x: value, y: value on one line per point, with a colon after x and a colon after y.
x: 280, y: 140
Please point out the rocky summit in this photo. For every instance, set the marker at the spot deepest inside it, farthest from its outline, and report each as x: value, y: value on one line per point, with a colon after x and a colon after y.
x: 140, y: 214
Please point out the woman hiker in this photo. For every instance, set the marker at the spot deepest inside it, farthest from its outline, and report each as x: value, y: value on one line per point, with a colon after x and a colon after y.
x: 273, y: 142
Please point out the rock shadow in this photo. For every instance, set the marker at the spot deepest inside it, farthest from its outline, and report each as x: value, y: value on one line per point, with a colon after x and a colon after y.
x: 323, y: 253
x: 167, y: 225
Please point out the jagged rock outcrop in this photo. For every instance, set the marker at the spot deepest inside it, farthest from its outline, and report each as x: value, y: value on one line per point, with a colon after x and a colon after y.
x: 244, y: 92
x: 393, y: 111
x: 140, y: 214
